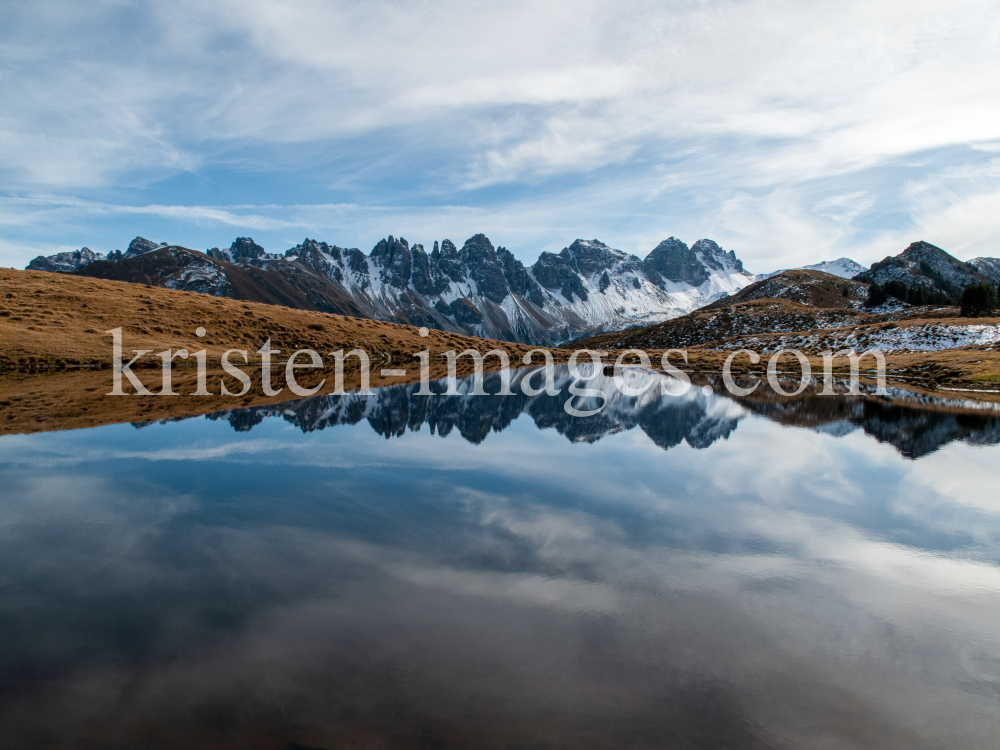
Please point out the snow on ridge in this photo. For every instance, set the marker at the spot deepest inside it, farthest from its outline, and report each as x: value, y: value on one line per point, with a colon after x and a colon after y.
x: 845, y: 268
x: 590, y: 287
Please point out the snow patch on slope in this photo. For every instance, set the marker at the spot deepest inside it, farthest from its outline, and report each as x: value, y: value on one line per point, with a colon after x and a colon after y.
x: 927, y: 338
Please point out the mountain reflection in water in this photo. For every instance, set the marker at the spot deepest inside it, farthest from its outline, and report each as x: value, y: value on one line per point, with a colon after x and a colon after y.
x: 479, y: 582
x: 667, y: 419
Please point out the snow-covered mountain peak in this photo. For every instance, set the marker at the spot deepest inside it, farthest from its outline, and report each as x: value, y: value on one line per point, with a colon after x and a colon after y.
x: 593, y: 256
x: 673, y: 260
x: 845, y: 268
x: 713, y: 256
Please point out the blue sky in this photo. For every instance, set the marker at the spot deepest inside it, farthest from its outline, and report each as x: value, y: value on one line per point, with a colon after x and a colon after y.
x: 790, y: 132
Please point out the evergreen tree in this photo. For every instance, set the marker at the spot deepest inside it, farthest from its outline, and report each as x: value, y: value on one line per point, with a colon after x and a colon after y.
x: 978, y: 299
x: 896, y: 289
x: 876, y: 296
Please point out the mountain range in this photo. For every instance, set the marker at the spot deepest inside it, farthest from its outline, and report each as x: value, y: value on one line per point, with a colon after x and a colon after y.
x: 481, y: 290
x: 477, y: 289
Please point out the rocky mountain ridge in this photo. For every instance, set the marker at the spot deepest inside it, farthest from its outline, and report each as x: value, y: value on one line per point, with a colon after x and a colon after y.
x: 478, y: 289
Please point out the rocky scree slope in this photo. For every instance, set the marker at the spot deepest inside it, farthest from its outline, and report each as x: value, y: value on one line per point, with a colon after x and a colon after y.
x: 477, y: 289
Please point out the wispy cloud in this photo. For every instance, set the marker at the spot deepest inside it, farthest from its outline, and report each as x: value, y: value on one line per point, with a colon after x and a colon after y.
x: 744, y: 121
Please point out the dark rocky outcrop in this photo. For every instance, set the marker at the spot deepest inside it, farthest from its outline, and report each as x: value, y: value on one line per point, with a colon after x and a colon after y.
x: 480, y: 257
x: 425, y: 277
x: 315, y: 256
x: 555, y: 272
x: 448, y: 260
x: 517, y: 276
x: 465, y: 312
x: 674, y: 261
x: 590, y: 257
x: 394, y: 257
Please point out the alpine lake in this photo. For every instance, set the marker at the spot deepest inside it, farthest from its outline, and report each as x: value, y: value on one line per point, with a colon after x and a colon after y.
x: 680, y: 570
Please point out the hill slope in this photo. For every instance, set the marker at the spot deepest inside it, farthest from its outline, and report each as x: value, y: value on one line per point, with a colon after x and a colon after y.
x: 758, y: 316
x: 810, y: 288
x: 175, y: 267
x: 56, y: 320
x: 925, y: 265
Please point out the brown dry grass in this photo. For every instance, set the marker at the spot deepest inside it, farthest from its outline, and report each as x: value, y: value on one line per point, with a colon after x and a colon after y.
x: 50, y: 320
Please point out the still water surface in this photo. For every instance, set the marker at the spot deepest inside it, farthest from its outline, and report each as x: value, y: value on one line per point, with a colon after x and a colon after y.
x: 675, y: 572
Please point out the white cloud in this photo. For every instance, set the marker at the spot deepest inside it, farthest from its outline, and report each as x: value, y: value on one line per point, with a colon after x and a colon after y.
x: 743, y: 121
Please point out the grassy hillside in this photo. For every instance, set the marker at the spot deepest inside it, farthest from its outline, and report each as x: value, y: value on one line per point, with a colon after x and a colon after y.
x: 50, y: 320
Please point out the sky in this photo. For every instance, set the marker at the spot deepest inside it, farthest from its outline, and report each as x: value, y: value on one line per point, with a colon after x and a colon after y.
x: 789, y: 132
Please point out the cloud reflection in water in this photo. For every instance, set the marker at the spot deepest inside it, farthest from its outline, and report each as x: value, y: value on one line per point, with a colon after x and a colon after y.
x: 187, y: 585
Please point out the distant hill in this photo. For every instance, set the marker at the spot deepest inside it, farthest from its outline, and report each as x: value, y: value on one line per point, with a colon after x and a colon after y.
x: 810, y: 288
x: 717, y: 323
x: 925, y: 265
